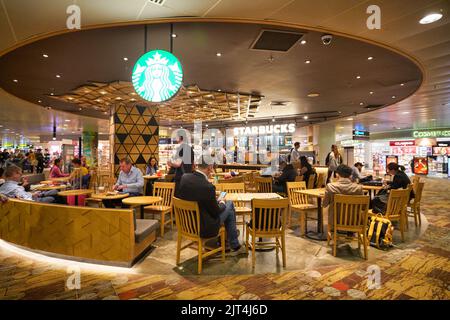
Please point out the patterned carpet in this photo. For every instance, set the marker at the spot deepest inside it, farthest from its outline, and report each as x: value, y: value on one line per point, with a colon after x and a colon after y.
x: 416, y: 269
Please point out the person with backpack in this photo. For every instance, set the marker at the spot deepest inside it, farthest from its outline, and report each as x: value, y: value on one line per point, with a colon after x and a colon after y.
x: 294, y: 153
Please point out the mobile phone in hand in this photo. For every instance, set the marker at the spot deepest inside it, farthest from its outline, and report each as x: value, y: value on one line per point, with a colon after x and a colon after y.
x: 222, y: 196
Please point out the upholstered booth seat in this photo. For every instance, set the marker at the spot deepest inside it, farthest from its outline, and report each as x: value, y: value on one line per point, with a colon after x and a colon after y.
x: 144, y: 228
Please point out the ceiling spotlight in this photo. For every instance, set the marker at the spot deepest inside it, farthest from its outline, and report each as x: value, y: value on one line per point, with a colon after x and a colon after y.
x: 433, y: 119
x: 58, y: 76
x: 370, y: 58
x: 105, y: 112
x: 273, y: 119
x: 15, y: 80
x: 371, y: 92
x: 393, y: 97
x: 54, y: 138
x: 375, y: 124
x: 313, y: 95
x: 307, y: 61
x: 80, y: 109
x: 358, y: 77
x: 430, y: 18
x: 52, y: 94
x: 67, y: 120
x: 125, y: 59
x: 219, y: 90
x: 305, y: 117
x: 39, y: 101
x: 303, y: 42
x: 349, y: 119
x: 174, y: 35
x: 45, y: 55
x: 218, y: 54
x: 402, y: 84
x: 405, y: 112
x: 206, y: 125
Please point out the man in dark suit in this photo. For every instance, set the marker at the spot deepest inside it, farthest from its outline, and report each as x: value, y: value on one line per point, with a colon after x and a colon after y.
x: 196, y: 187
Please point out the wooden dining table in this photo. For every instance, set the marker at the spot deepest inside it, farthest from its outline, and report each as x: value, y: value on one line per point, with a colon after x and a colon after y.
x: 76, y: 193
x: 141, y: 202
x: 319, y: 194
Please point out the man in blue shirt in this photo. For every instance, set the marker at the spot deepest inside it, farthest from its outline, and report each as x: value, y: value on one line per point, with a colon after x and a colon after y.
x: 12, y: 189
x: 130, y: 179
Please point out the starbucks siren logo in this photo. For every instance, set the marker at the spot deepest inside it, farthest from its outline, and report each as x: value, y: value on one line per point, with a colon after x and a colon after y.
x: 157, y: 76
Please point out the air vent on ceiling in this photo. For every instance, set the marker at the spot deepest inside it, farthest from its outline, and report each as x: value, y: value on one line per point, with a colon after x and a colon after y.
x: 276, y: 40
x: 279, y: 103
x: 157, y: 2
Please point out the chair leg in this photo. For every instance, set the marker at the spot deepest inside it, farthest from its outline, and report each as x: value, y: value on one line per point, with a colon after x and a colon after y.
x: 277, y: 249
x: 365, y: 245
x: 222, y: 243
x: 246, y: 241
x: 301, y: 218
x: 328, y: 234
x: 243, y: 226
x: 200, y: 257
x: 178, y: 248
x: 253, y: 251
x: 334, y: 241
x: 283, y: 249
x: 289, y: 217
x: 171, y: 219
x: 417, y: 212
x: 402, y: 228
x: 163, y: 215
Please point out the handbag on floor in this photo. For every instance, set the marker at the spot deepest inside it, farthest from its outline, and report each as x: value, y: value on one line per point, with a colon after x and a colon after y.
x: 380, y: 232
x: 379, y: 202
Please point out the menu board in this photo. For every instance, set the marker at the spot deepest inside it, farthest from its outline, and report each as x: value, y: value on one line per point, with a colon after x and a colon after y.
x: 420, y: 165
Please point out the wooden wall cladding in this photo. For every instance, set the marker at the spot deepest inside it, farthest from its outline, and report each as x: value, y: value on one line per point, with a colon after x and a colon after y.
x: 80, y: 232
x: 134, y: 133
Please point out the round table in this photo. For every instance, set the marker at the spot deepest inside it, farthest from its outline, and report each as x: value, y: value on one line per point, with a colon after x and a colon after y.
x: 76, y: 193
x: 141, y: 201
x: 48, y: 188
x: 106, y: 196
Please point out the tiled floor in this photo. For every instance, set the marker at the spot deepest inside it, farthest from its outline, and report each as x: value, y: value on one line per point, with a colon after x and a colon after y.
x: 419, y: 268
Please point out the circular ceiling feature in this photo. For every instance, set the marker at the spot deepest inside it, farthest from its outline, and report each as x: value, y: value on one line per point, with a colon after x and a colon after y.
x: 157, y: 76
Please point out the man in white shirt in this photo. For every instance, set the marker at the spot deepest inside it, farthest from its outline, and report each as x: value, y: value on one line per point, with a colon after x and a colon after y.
x: 295, y: 153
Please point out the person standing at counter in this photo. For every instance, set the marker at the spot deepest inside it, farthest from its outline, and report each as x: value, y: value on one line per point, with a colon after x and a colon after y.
x: 334, y: 159
x: 182, y: 161
x: 294, y: 155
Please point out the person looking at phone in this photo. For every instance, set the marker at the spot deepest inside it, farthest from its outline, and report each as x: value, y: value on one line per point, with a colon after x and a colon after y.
x: 196, y: 187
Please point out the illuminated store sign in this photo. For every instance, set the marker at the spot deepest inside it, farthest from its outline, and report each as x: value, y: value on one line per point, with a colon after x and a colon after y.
x: 157, y: 76
x: 431, y: 133
x: 261, y: 130
x: 360, y: 135
x: 408, y: 143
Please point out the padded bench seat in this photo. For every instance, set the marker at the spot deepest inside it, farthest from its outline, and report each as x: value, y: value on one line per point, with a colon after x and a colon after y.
x: 144, y: 227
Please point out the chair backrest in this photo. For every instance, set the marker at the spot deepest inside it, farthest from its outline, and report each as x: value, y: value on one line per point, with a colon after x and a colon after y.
x: 350, y: 211
x: 165, y: 190
x: 295, y: 197
x: 187, y: 217
x: 397, y: 202
x: 418, y: 192
x: 269, y: 216
x: 298, y: 178
x: 321, y: 180
x: 263, y: 184
x: 238, y: 179
x: 311, y: 181
x: 232, y: 187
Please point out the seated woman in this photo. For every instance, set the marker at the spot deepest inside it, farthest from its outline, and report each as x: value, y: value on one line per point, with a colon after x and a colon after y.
x: 306, y: 169
x: 152, y: 167
x: 75, y: 175
x: 288, y: 174
x: 55, y: 171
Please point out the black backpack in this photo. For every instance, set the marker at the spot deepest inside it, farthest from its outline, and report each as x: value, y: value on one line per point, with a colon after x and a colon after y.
x: 289, y: 156
x: 327, y: 159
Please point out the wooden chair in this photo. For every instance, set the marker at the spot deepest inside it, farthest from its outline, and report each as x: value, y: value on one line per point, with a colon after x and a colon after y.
x: 311, y: 181
x: 414, y: 207
x: 298, y: 202
x: 321, y: 180
x: 239, y: 206
x: 187, y: 218
x: 263, y: 184
x: 298, y: 178
x: 268, y: 221
x: 350, y: 215
x: 169, y: 177
x: 396, y: 208
x: 238, y: 179
x: 250, y: 184
x: 166, y: 191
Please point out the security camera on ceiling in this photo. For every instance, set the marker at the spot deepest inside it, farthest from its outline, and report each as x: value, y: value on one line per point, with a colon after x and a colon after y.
x: 326, y: 39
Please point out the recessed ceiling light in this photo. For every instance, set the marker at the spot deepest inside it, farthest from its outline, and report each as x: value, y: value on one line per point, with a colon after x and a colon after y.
x: 219, y: 90
x: 15, y: 80
x: 393, y: 97
x: 58, y: 76
x: 67, y: 120
x: 80, y: 109
x: 305, y: 117
x: 375, y: 124
x: 52, y: 94
x: 303, y: 42
x: 70, y: 98
x: 105, y: 112
x: 103, y: 92
x: 371, y: 92
x: 349, y: 119
x: 358, y: 77
x: 398, y: 128
x: 125, y: 59
x: 430, y: 18
x: 433, y: 119
x: 402, y: 84
x: 307, y: 61
x: 339, y: 112
x: 54, y: 139
x: 361, y: 103
x: 45, y: 55
x: 273, y: 119
x: 39, y: 101
x: 405, y: 112
x: 218, y: 54
x: 174, y: 35
x: 313, y: 95
x: 73, y: 132
x: 370, y: 58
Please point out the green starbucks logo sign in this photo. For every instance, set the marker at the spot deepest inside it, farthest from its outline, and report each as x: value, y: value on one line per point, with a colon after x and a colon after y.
x: 157, y: 76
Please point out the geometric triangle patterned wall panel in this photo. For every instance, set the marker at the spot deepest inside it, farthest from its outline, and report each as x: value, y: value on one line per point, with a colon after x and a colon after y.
x: 135, y: 132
